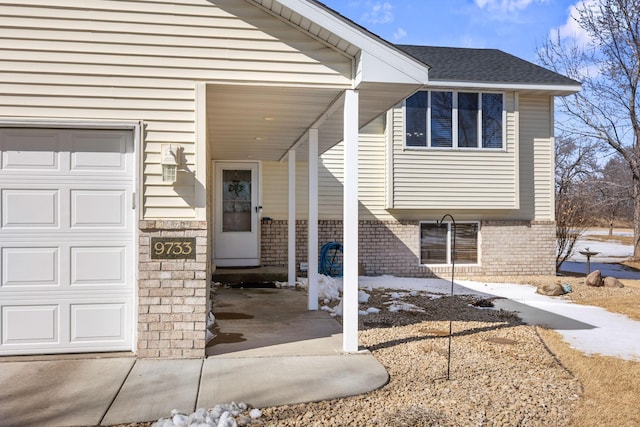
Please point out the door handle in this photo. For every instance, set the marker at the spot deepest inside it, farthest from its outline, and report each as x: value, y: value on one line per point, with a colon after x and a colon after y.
x: 258, y: 209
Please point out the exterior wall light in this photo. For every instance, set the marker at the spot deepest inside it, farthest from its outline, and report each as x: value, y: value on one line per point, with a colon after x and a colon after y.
x: 170, y: 160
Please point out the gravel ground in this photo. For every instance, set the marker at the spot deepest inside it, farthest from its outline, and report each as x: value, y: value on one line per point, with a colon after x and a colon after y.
x: 501, y: 373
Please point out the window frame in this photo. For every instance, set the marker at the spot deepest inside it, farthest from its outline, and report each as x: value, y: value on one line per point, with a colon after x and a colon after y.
x: 449, y: 244
x: 455, y: 122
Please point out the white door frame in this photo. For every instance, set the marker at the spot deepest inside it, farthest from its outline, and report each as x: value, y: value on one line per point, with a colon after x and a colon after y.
x: 237, y: 249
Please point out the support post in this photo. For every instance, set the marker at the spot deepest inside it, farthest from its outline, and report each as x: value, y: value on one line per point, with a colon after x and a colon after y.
x: 291, y: 263
x: 312, y: 225
x: 350, y: 223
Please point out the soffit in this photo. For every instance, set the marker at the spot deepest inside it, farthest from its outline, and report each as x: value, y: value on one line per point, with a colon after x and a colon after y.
x: 263, y: 122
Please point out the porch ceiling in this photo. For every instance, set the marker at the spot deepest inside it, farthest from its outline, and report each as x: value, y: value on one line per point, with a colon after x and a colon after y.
x: 264, y: 122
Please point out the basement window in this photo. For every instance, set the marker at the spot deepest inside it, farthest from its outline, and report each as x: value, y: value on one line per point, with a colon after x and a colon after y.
x: 436, y: 243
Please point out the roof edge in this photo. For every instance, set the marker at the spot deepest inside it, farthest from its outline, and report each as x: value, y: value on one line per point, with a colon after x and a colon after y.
x: 555, y: 88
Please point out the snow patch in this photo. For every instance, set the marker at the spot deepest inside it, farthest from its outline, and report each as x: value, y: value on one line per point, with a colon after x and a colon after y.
x: 224, y: 415
x: 363, y: 297
x: 395, y: 306
x: 328, y: 287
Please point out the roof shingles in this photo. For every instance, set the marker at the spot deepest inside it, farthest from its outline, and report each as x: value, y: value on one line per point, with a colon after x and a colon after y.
x: 482, y: 66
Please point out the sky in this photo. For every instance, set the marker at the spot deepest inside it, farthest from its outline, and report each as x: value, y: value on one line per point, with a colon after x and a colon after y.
x: 518, y: 27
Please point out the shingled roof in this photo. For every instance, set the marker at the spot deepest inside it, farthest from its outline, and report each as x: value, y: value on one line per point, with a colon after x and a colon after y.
x: 483, y: 66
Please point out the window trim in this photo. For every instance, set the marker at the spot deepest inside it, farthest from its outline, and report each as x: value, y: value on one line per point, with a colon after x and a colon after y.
x: 454, y: 122
x: 449, y: 244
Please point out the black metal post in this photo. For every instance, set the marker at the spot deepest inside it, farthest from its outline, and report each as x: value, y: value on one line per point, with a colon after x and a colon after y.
x: 453, y: 269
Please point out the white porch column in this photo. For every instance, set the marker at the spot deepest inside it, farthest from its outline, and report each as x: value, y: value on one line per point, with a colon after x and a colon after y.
x: 312, y: 226
x: 350, y: 224
x: 292, y: 218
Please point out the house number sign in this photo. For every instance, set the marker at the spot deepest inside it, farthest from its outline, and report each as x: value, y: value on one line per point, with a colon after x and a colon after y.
x: 173, y: 248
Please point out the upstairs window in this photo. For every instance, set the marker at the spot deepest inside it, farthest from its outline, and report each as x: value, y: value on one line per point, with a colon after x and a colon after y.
x: 448, y: 119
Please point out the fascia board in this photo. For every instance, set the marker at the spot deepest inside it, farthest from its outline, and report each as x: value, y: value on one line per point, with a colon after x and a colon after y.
x: 371, y: 68
x: 560, y: 89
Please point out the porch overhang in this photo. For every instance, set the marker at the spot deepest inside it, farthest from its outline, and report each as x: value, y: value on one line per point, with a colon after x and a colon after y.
x: 262, y: 121
x: 265, y: 121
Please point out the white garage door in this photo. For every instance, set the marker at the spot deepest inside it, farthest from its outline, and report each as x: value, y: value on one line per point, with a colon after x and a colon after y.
x: 66, y: 240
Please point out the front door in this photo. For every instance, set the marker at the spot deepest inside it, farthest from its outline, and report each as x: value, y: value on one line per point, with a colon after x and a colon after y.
x: 237, y: 211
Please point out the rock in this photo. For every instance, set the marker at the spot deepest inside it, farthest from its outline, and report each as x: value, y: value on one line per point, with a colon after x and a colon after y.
x: 594, y: 279
x: 612, y: 282
x: 551, y: 289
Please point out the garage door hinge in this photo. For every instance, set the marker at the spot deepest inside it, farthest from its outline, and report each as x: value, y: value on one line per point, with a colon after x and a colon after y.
x: 133, y: 200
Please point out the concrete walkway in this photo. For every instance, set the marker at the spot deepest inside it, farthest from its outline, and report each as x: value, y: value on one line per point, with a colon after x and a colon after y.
x: 590, y: 329
x: 106, y: 391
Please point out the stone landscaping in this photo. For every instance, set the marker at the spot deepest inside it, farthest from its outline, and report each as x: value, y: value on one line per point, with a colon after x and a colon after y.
x: 501, y: 372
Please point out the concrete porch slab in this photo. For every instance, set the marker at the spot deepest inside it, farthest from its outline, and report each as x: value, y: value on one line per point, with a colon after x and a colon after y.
x: 274, y: 322
x: 155, y: 387
x: 325, y: 346
x: 60, y: 392
x: 273, y: 381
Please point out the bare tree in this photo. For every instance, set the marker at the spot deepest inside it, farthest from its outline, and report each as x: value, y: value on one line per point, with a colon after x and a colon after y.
x: 607, y: 108
x: 615, y: 192
x: 575, y: 165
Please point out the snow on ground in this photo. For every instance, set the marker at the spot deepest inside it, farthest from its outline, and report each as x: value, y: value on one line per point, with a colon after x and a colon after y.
x: 610, y: 251
x: 591, y: 330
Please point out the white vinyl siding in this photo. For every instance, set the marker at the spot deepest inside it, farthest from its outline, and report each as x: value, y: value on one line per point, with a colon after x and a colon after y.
x: 275, y: 188
x: 537, y: 156
x: 331, y: 179
x: 456, y: 179
x: 139, y: 61
x: 371, y: 179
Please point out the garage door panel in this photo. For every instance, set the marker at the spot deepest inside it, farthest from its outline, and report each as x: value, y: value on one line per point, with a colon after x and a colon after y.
x: 30, y: 324
x: 98, y: 322
x: 31, y: 151
x: 22, y: 208
x: 98, y: 265
x: 24, y: 267
x: 100, y: 151
x: 98, y: 208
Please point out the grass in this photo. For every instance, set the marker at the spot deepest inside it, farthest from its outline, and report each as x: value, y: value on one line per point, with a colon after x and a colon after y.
x: 624, y: 304
x: 611, y: 385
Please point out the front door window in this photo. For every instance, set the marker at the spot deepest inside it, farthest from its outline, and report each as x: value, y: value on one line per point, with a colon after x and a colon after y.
x: 236, y: 200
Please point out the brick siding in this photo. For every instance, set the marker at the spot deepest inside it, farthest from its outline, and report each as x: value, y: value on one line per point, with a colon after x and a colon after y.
x: 392, y: 247
x: 172, y: 294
